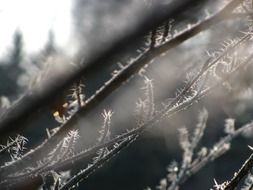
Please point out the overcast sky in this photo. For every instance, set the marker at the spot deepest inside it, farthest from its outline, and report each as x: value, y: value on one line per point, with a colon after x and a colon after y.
x: 34, y: 18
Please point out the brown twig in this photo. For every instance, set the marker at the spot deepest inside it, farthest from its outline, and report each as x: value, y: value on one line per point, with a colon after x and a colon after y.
x: 243, y: 171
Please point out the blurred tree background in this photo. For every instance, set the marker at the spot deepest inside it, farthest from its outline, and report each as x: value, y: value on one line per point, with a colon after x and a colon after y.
x: 145, y: 161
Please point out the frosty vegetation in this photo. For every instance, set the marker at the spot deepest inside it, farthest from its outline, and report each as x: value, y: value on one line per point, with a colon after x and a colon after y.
x: 50, y: 162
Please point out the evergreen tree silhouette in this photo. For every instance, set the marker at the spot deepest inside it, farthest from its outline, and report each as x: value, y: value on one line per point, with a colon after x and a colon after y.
x: 50, y: 47
x: 10, y: 72
x: 16, y: 57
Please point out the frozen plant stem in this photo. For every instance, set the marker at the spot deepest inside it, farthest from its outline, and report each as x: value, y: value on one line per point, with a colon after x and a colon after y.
x: 115, y: 82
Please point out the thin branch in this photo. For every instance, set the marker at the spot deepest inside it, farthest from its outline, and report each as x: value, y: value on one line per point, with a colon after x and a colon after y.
x: 149, y: 124
x: 85, y: 173
x: 155, y: 119
x: 116, y: 81
x: 136, y: 132
x: 211, y: 157
x: 243, y: 171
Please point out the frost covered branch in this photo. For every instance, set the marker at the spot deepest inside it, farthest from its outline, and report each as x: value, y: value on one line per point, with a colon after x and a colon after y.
x: 121, y: 76
x: 193, y: 161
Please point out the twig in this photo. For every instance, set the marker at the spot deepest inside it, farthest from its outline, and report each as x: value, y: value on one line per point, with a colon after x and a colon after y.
x: 84, y: 174
x: 243, y: 171
x: 139, y: 130
x: 115, y: 82
x: 211, y: 157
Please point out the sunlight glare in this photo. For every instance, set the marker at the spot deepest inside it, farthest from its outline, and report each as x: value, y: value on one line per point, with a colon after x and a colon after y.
x: 34, y: 18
